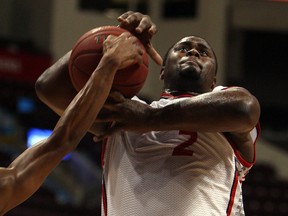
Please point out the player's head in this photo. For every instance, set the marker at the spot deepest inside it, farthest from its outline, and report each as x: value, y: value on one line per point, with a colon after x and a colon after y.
x: 190, y: 65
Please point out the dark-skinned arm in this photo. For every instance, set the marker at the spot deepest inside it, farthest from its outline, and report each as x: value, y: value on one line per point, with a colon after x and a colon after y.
x: 27, y: 172
x: 54, y: 86
x: 234, y: 112
x: 54, y: 83
x: 231, y: 110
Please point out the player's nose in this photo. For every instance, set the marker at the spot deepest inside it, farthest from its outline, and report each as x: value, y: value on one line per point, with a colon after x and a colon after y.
x: 193, y: 52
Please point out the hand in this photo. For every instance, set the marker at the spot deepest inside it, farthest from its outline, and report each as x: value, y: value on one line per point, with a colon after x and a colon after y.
x: 127, y: 115
x: 123, y: 49
x: 142, y: 27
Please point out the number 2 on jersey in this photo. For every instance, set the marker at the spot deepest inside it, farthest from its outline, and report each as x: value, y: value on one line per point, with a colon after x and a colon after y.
x: 181, y: 150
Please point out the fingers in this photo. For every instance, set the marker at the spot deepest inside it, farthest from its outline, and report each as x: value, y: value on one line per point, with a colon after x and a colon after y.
x: 130, y: 17
x: 125, y: 48
x: 124, y: 16
x: 145, y: 29
x: 124, y: 36
x: 154, y: 54
x: 116, y: 96
x: 146, y: 24
x: 138, y: 22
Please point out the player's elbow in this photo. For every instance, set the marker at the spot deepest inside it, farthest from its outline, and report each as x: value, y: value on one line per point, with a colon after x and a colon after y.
x: 246, y: 108
x: 40, y: 87
x: 249, y: 109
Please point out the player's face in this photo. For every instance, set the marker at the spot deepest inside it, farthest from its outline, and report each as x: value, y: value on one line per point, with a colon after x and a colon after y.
x: 190, y: 66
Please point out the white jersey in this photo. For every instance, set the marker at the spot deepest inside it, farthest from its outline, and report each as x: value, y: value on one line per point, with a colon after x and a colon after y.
x: 172, y: 173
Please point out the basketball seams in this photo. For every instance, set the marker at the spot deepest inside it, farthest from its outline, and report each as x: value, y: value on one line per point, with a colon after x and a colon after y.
x: 100, y: 31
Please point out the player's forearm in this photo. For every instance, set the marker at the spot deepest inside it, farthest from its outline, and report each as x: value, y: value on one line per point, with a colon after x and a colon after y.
x: 82, y: 111
x: 223, y: 111
x: 28, y: 171
x: 55, y: 89
x: 31, y: 168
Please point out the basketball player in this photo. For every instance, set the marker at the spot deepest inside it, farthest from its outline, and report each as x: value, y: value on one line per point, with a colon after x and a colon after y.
x: 27, y: 172
x: 185, y: 154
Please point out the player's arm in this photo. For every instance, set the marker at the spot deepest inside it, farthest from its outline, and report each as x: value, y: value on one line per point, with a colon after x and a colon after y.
x: 54, y: 86
x: 231, y: 110
x: 55, y: 89
x: 27, y: 172
x: 234, y: 111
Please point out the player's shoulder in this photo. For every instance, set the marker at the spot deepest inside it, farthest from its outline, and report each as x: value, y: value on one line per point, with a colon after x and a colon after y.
x: 232, y: 88
x: 219, y: 88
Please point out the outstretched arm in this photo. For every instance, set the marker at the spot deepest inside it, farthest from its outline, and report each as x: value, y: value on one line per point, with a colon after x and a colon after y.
x: 231, y: 110
x: 27, y: 172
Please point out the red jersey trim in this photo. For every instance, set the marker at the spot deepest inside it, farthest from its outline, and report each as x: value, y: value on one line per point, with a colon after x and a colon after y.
x: 104, y: 197
x: 232, y: 194
x: 181, y: 95
x: 237, y: 153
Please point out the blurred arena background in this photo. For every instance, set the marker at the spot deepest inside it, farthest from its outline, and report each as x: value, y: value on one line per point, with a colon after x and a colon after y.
x: 250, y: 38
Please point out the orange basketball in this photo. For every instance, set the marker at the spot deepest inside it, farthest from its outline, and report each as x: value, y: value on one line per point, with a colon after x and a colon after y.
x: 86, y: 55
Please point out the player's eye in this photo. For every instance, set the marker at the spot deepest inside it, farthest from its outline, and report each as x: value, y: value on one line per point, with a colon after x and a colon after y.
x: 182, y: 49
x: 203, y: 52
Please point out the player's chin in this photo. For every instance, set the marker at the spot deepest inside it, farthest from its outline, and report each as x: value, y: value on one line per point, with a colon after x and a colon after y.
x: 190, y: 72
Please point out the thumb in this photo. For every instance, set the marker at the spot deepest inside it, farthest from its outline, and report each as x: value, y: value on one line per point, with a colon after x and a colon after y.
x: 116, y: 97
x: 153, y: 54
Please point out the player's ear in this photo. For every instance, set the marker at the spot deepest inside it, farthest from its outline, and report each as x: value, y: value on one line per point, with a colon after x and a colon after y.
x: 161, y: 77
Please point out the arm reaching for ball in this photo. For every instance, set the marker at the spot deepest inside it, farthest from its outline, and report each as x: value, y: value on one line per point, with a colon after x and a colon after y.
x: 28, y: 171
x: 54, y: 86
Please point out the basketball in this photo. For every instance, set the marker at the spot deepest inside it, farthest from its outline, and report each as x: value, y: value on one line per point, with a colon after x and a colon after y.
x: 87, y: 53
